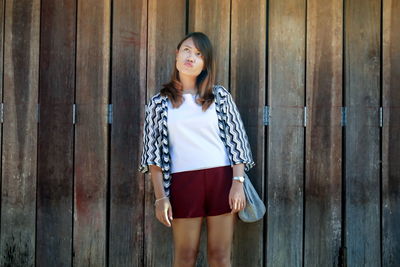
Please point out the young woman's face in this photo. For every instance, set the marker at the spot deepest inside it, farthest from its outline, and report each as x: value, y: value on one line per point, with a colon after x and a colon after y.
x: 189, y: 60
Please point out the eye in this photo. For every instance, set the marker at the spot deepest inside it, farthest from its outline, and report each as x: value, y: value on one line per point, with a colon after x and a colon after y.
x: 198, y: 54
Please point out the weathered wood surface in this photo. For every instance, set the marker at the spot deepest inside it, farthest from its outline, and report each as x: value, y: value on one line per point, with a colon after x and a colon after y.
x: 166, y: 27
x: 391, y: 134
x: 19, y: 146
x: 128, y: 88
x: 285, y: 171
x: 56, y: 133
x: 247, y: 85
x: 362, y: 134
x: 323, y: 180
x: 92, y: 208
x: 213, y: 18
x: 91, y: 133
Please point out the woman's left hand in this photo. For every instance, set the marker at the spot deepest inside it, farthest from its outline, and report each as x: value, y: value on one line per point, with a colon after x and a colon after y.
x: 237, y: 199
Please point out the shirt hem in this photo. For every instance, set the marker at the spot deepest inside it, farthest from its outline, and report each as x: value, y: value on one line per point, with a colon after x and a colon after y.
x: 202, y: 168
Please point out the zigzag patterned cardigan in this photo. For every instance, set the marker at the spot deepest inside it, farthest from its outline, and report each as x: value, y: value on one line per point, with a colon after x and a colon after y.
x: 155, y: 134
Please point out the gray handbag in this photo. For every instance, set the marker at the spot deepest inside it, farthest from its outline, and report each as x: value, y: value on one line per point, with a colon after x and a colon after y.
x: 255, y: 208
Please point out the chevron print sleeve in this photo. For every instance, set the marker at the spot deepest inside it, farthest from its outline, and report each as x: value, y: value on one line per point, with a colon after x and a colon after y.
x: 237, y: 140
x: 151, y: 136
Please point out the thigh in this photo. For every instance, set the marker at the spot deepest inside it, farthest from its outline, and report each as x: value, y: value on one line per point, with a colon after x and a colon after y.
x: 186, y: 233
x: 220, y: 231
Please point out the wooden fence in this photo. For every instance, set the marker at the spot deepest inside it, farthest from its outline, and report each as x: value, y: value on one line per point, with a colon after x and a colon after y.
x: 317, y: 83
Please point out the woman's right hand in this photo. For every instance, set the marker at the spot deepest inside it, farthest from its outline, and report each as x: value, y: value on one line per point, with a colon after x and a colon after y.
x: 164, y: 211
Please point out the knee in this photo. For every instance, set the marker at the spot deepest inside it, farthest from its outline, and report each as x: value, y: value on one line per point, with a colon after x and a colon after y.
x: 186, y: 256
x: 219, y: 256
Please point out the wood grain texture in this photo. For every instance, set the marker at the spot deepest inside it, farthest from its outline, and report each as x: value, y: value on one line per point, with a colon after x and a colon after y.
x: 91, y: 132
x: 213, y: 18
x: 166, y: 27
x: 286, y: 57
x: 362, y: 134
x: 248, y: 63
x: 323, y: 134
x: 391, y: 134
x: 19, y: 149
x: 2, y: 21
x: 56, y: 131
x: 128, y: 94
x: 71, y: 194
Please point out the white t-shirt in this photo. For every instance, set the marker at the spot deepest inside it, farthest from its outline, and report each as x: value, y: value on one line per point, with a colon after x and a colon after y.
x: 193, y: 135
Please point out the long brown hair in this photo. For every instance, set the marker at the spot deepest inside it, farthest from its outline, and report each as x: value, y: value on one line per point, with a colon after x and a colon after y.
x: 204, y: 81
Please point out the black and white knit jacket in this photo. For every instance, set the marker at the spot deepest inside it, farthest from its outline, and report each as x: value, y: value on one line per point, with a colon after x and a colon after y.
x: 155, y: 134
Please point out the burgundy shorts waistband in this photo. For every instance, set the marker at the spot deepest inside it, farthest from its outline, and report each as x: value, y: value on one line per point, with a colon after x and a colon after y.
x: 205, y: 169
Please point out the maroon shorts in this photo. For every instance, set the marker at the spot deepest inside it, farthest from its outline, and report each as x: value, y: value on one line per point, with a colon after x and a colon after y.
x: 201, y: 193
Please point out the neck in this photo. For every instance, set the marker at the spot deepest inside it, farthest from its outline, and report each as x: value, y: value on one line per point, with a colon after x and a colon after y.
x: 188, y: 83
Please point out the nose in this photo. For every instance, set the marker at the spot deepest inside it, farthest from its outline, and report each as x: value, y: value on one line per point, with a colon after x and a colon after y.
x: 190, y: 58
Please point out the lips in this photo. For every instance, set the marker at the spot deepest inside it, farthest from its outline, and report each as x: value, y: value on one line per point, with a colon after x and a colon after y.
x: 188, y: 64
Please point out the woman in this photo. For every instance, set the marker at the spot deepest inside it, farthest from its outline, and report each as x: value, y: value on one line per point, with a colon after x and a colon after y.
x: 197, y: 150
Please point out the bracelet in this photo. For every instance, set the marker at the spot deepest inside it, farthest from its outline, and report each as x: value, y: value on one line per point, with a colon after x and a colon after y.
x: 155, y: 202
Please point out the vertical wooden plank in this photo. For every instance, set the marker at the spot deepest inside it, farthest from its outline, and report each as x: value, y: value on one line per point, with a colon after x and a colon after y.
x: 55, y: 144
x: 285, y: 132
x: 163, y: 37
x: 164, y: 34
x: 128, y: 94
x: 2, y: 22
x: 213, y: 18
x: 390, y: 134
x: 18, y: 191
x: 248, y: 57
x: 92, y: 81
x: 323, y: 134
x: 362, y: 86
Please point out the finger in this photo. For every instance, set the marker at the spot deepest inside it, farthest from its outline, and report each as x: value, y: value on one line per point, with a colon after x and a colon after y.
x: 170, y: 213
x: 233, y: 206
x: 166, y: 218
x: 158, y: 217
x: 162, y: 220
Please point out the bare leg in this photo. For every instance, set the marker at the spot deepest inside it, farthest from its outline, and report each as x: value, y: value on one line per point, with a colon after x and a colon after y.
x: 219, y: 239
x: 186, y: 233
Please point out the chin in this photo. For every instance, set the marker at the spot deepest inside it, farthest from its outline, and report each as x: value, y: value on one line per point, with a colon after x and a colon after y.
x: 187, y: 73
